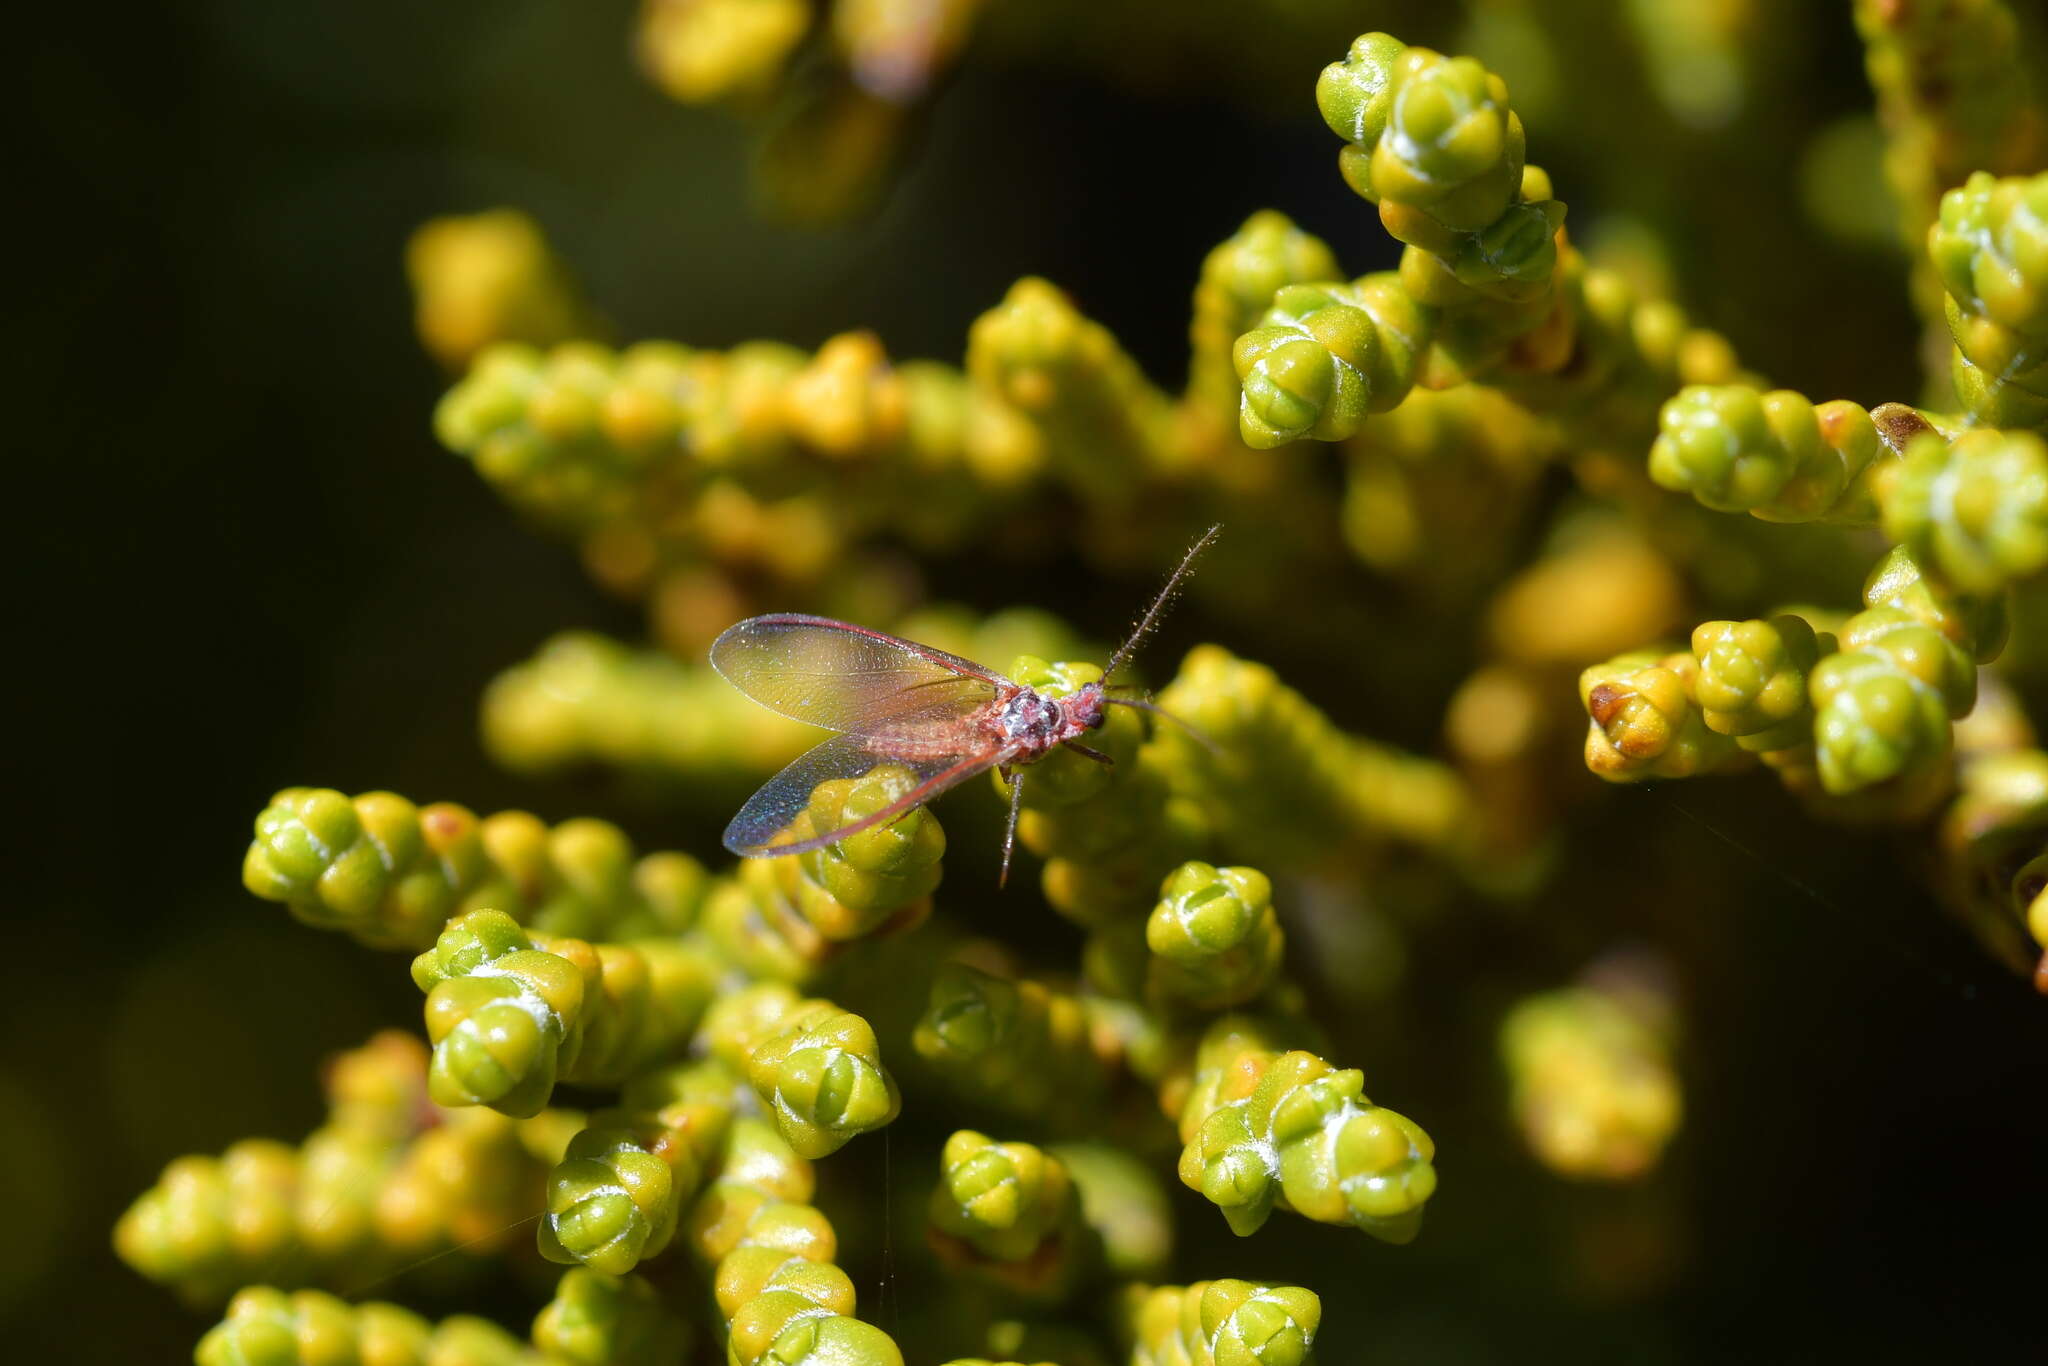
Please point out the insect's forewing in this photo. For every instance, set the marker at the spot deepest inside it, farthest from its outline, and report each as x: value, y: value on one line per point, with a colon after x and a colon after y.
x: 827, y: 673
x: 769, y: 811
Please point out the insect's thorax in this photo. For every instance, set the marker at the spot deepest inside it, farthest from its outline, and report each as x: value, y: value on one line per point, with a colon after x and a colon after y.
x: 1031, y: 721
x: 1035, y: 723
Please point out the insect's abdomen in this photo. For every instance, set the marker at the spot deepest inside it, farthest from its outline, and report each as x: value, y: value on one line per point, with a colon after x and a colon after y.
x: 913, y: 745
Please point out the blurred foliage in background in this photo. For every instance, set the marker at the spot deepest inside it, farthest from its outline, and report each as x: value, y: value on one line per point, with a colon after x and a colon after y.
x: 1708, y: 1075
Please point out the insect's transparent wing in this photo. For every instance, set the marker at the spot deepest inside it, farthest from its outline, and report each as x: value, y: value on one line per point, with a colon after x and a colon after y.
x: 769, y: 811
x: 827, y: 673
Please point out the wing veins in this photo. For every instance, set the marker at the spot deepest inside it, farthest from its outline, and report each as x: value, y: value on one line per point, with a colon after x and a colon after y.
x: 911, y: 647
x: 917, y: 796
x: 848, y: 678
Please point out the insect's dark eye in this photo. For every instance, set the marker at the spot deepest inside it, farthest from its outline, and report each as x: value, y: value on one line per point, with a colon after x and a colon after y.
x: 1095, y: 721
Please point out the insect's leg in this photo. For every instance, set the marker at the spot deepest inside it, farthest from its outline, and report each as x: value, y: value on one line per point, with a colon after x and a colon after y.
x: 1097, y: 755
x: 1016, y: 781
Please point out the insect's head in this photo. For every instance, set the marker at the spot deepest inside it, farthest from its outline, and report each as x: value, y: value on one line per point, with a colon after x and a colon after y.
x: 1087, y: 707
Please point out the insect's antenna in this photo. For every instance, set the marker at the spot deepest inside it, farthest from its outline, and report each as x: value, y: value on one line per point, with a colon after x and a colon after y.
x: 1159, y: 604
x: 1157, y: 710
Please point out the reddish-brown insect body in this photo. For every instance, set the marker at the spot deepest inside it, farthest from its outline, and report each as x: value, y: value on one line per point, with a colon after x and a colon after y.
x: 895, y: 701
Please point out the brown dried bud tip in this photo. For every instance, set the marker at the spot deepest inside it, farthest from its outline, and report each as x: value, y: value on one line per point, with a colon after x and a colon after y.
x: 1896, y: 423
x: 1606, y: 700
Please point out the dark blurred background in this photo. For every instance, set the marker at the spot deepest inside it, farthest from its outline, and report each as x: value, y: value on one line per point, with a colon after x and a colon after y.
x: 247, y: 564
